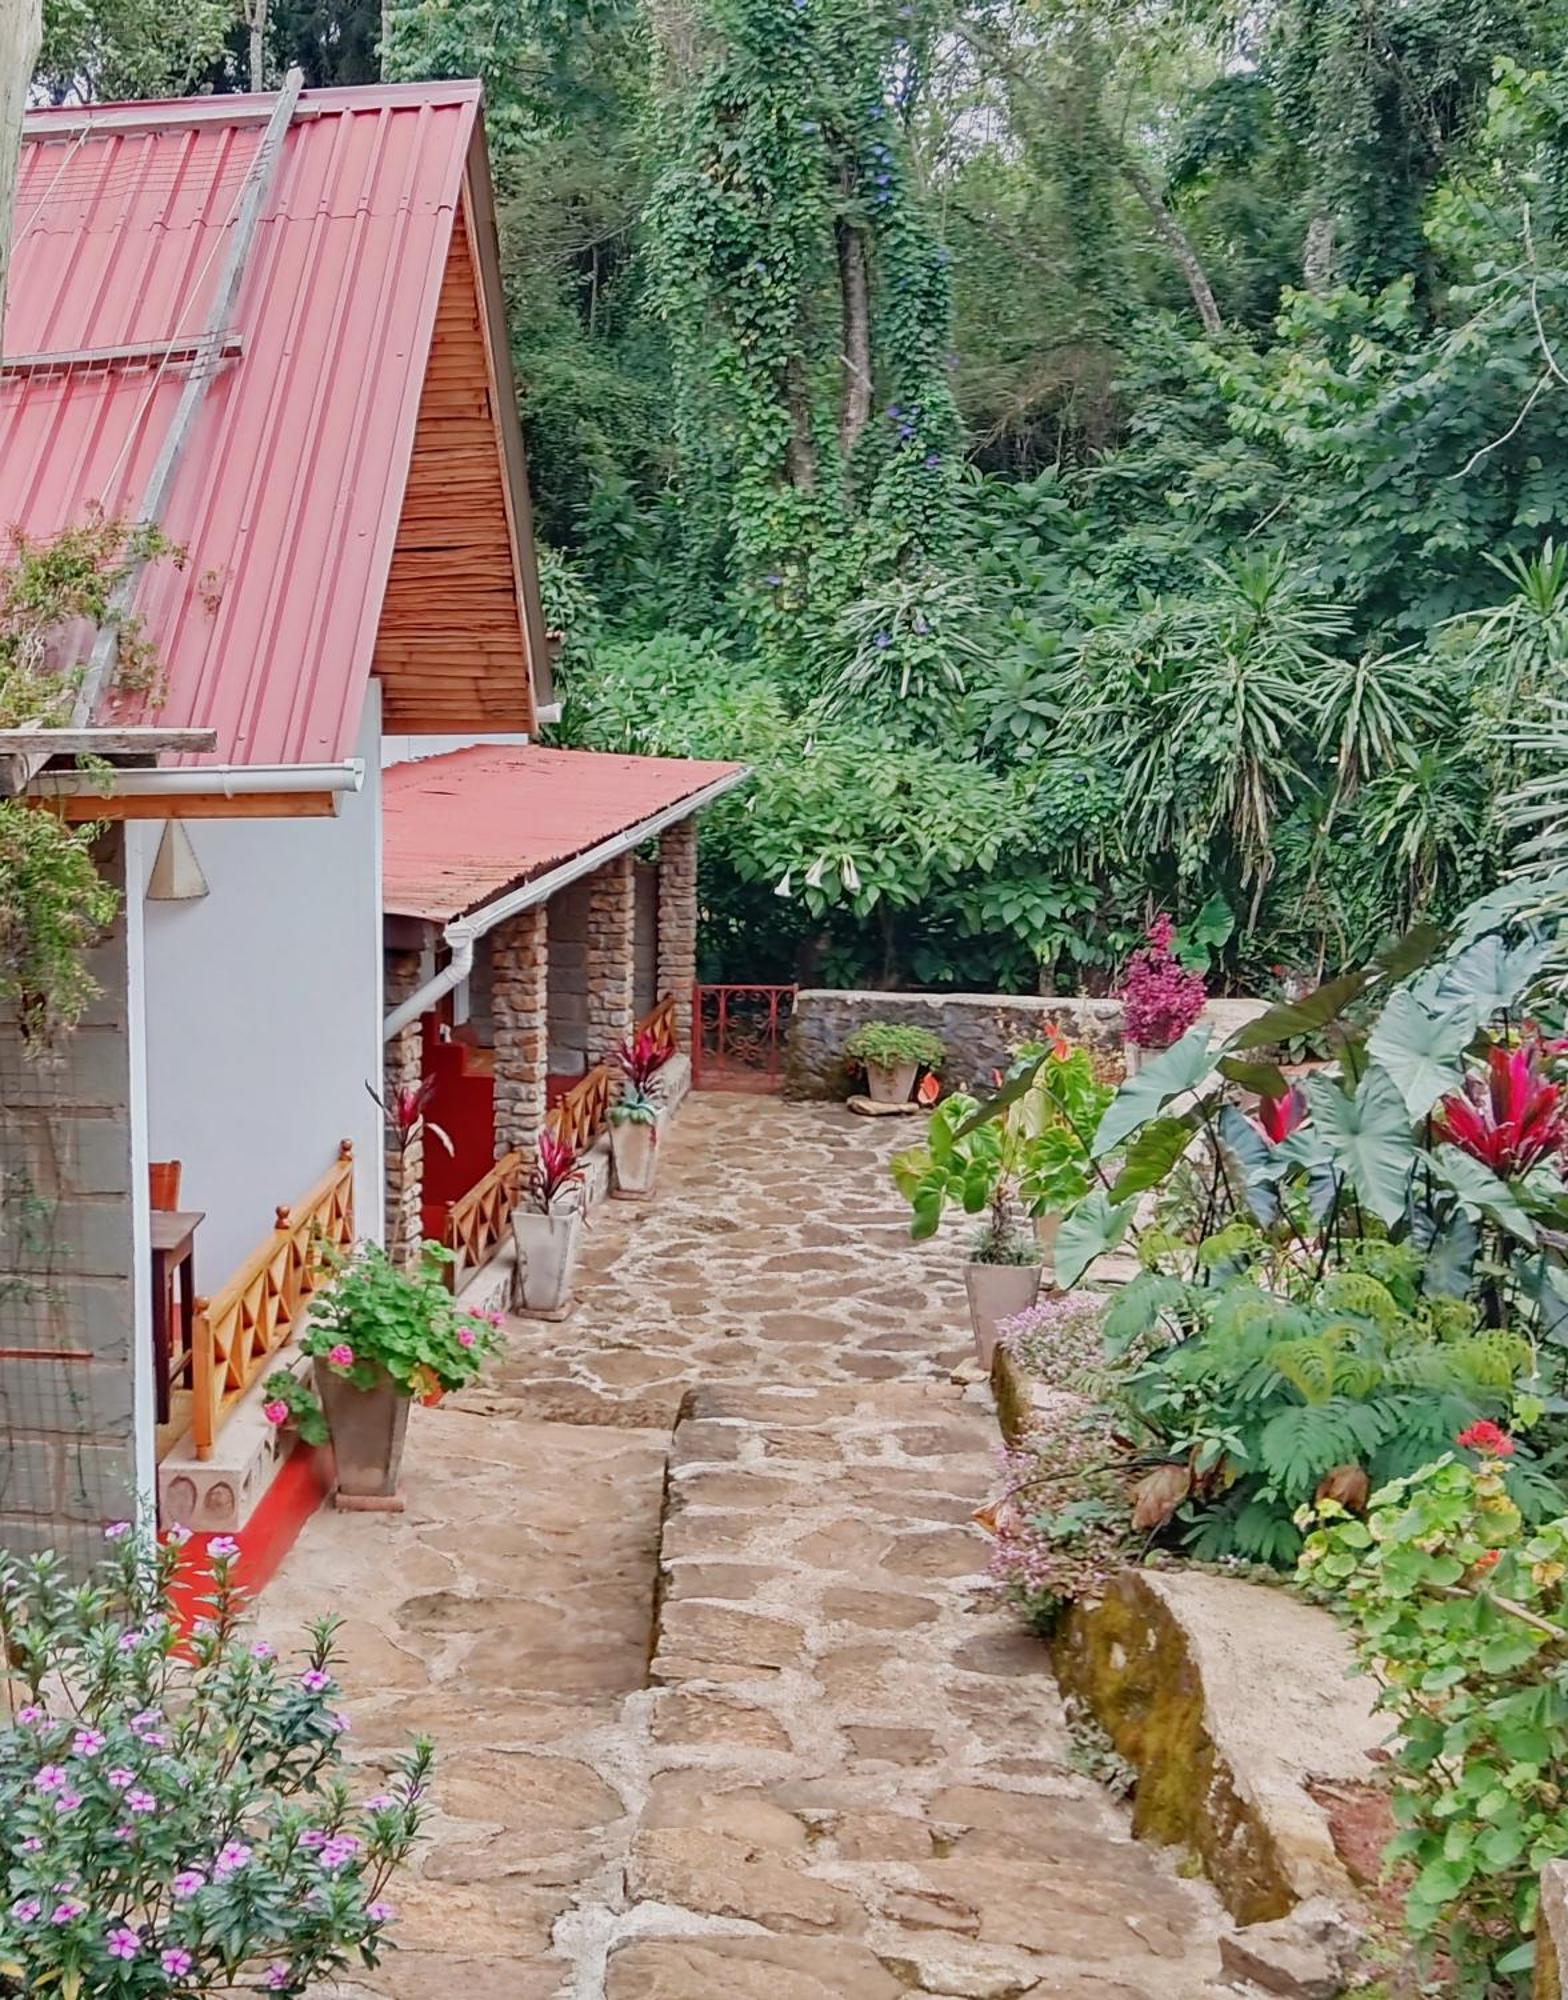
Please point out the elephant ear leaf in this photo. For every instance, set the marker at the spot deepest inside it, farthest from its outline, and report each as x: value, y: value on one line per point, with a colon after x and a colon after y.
x: 1487, y: 978
x: 1173, y: 1072
x: 1095, y: 1226
x: 1482, y: 1191
x: 1252, y: 1166
x: 1368, y: 1137
x: 1152, y: 1154
x: 1421, y: 1049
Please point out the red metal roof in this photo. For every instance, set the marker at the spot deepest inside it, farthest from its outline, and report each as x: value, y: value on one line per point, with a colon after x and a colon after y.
x: 289, y: 490
x: 458, y: 829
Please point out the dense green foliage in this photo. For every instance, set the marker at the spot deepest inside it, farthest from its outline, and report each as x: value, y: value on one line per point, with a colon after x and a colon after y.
x: 1087, y: 458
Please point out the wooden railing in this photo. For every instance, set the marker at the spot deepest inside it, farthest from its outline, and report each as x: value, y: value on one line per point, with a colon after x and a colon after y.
x: 659, y: 1021
x: 584, y: 1111
x: 241, y: 1327
x: 477, y: 1221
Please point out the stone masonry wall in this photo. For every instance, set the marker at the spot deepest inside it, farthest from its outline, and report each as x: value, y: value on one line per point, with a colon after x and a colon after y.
x: 612, y: 946
x: 67, y: 1442
x: 520, y: 1005
x: 568, y: 926
x: 978, y: 1030
x: 678, y: 913
x: 403, y: 1069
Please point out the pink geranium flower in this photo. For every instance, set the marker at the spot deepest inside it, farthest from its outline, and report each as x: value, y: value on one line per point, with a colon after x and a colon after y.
x: 341, y: 1356
x: 275, y: 1412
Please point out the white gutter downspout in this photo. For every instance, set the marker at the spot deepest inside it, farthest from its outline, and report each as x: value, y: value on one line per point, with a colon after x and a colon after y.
x: 462, y: 933
x: 229, y: 781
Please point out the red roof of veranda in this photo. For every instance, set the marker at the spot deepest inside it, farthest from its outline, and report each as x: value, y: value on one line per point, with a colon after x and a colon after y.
x: 289, y: 490
x: 459, y: 829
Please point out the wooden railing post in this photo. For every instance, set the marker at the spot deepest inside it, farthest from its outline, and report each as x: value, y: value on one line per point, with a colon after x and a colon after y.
x: 203, y: 1401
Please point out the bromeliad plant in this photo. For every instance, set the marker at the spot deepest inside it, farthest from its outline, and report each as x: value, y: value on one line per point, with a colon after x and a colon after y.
x: 1457, y: 1606
x: 174, y: 1817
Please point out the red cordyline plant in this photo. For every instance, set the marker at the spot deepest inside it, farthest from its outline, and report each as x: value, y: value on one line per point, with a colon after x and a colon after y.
x: 640, y: 1058
x: 554, y: 1171
x: 404, y: 1112
x: 1160, y: 998
x: 1511, y: 1118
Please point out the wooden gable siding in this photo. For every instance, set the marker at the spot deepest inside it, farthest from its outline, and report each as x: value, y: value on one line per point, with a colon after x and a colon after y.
x: 450, y: 651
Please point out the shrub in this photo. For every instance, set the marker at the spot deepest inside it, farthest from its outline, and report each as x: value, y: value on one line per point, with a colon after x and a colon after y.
x: 172, y: 1811
x: 1161, y: 998
x: 375, y: 1321
x: 1457, y: 1607
x: 1058, y: 1341
x: 887, y: 1044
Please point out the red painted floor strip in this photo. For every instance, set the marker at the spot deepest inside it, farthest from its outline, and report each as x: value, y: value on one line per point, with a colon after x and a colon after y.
x: 296, y: 1493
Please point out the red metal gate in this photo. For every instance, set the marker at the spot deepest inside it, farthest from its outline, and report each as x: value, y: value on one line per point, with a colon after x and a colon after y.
x: 737, y: 1036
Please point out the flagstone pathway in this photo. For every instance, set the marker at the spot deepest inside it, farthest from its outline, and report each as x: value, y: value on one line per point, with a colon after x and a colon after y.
x: 686, y: 1595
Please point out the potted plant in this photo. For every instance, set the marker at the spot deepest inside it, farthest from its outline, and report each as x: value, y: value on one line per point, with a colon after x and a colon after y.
x: 634, y: 1116
x: 1161, y: 998
x: 547, y: 1227
x: 179, y: 1815
x: 1059, y: 1115
x: 979, y: 1166
x: 379, y: 1337
x: 892, y: 1056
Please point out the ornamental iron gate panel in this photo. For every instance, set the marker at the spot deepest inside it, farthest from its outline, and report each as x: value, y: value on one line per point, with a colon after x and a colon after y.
x: 737, y: 1036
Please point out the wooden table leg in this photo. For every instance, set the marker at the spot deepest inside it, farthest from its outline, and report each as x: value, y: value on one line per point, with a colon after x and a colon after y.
x: 160, y: 1336
x: 188, y: 1306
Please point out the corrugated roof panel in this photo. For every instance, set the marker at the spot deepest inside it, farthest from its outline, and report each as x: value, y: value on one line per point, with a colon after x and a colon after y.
x: 289, y: 490
x: 458, y: 829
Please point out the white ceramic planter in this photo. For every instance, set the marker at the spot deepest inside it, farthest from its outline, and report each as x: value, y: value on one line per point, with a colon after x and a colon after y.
x: 895, y: 1085
x: 996, y: 1292
x: 546, y: 1259
x: 634, y: 1149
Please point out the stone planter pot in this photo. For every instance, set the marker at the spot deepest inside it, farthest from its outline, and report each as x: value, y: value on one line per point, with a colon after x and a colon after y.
x: 546, y: 1259
x: 996, y: 1292
x: 895, y: 1085
x: 634, y: 1152
x: 368, y: 1428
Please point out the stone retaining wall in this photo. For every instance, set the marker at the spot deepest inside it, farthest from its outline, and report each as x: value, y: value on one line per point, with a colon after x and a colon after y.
x: 979, y: 1030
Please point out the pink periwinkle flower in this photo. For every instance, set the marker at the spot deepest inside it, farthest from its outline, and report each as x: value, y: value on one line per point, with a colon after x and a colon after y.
x: 33, y: 1844
x: 29, y: 1714
x: 50, y: 1779
x: 262, y: 1651
x: 222, y: 1548
x: 67, y: 1910
x: 26, y: 1910
x: 140, y: 1801
x: 187, y: 1883
x: 382, y: 1802
x: 122, y: 1942
x: 275, y: 1978
x: 339, y: 1851
x: 88, y: 1742
x: 178, y: 1535
x: 380, y: 1913
x: 312, y: 1838
x: 117, y: 1531
x: 121, y: 1779
x: 130, y: 1640
x: 275, y: 1412
x: 232, y: 1856
x: 125, y: 1833
x: 341, y: 1356
x: 176, y: 1962
x: 339, y: 1723
x: 67, y: 1801
x: 315, y: 1680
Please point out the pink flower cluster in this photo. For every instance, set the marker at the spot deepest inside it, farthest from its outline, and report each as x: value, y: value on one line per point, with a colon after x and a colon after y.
x: 1160, y: 998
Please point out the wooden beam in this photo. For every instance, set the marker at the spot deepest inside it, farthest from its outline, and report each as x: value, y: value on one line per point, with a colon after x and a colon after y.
x: 108, y: 742
x: 85, y: 360
x: 80, y: 809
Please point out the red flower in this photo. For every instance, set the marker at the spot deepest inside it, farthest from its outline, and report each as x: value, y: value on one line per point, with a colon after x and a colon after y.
x: 1511, y: 1118
x: 1485, y: 1437
x: 1488, y: 1559
x: 1278, y: 1117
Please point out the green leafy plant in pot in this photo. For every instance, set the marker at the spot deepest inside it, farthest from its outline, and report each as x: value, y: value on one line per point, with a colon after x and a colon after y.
x: 892, y: 1056
x: 547, y: 1227
x: 1058, y: 1113
x: 379, y: 1338
x: 980, y: 1169
x: 634, y: 1116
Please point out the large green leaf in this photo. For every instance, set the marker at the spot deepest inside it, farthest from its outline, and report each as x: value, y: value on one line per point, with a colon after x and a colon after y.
x: 1153, y: 1153
x: 1487, y: 978
x: 1414, y: 949
x: 1182, y: 1067
x: 1421, y: 1049
x: 1252, y: 1165
x: 1096, y: 1225
x: 1014, y: 1089
x: 1450, y: 1248
x: 1289, y: 1018
x: 1482, y: 1190
x: 1368, y: 1136
x: 1264, y: 1079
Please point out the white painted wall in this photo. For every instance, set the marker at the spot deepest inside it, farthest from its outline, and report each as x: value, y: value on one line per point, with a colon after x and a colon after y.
x: 264, y: 1011
x: 141, y: 844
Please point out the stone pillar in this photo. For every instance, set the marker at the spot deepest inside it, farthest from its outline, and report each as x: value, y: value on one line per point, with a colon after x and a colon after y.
x: 520, y: 1007
x: 612, y: 947
x: 403, y: 1068
x: 678, y: 914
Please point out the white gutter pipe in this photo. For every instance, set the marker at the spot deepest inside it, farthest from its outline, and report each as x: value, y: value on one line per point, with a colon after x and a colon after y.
x: 229, y: 781
x: 462, y: 933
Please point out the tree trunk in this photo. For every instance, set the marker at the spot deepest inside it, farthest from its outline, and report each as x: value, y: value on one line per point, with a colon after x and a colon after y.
x: 854, y: 410
x: 1317, y: 257
x: 800, y: 457
x: 21, y: 32
x: 1179, y: 243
